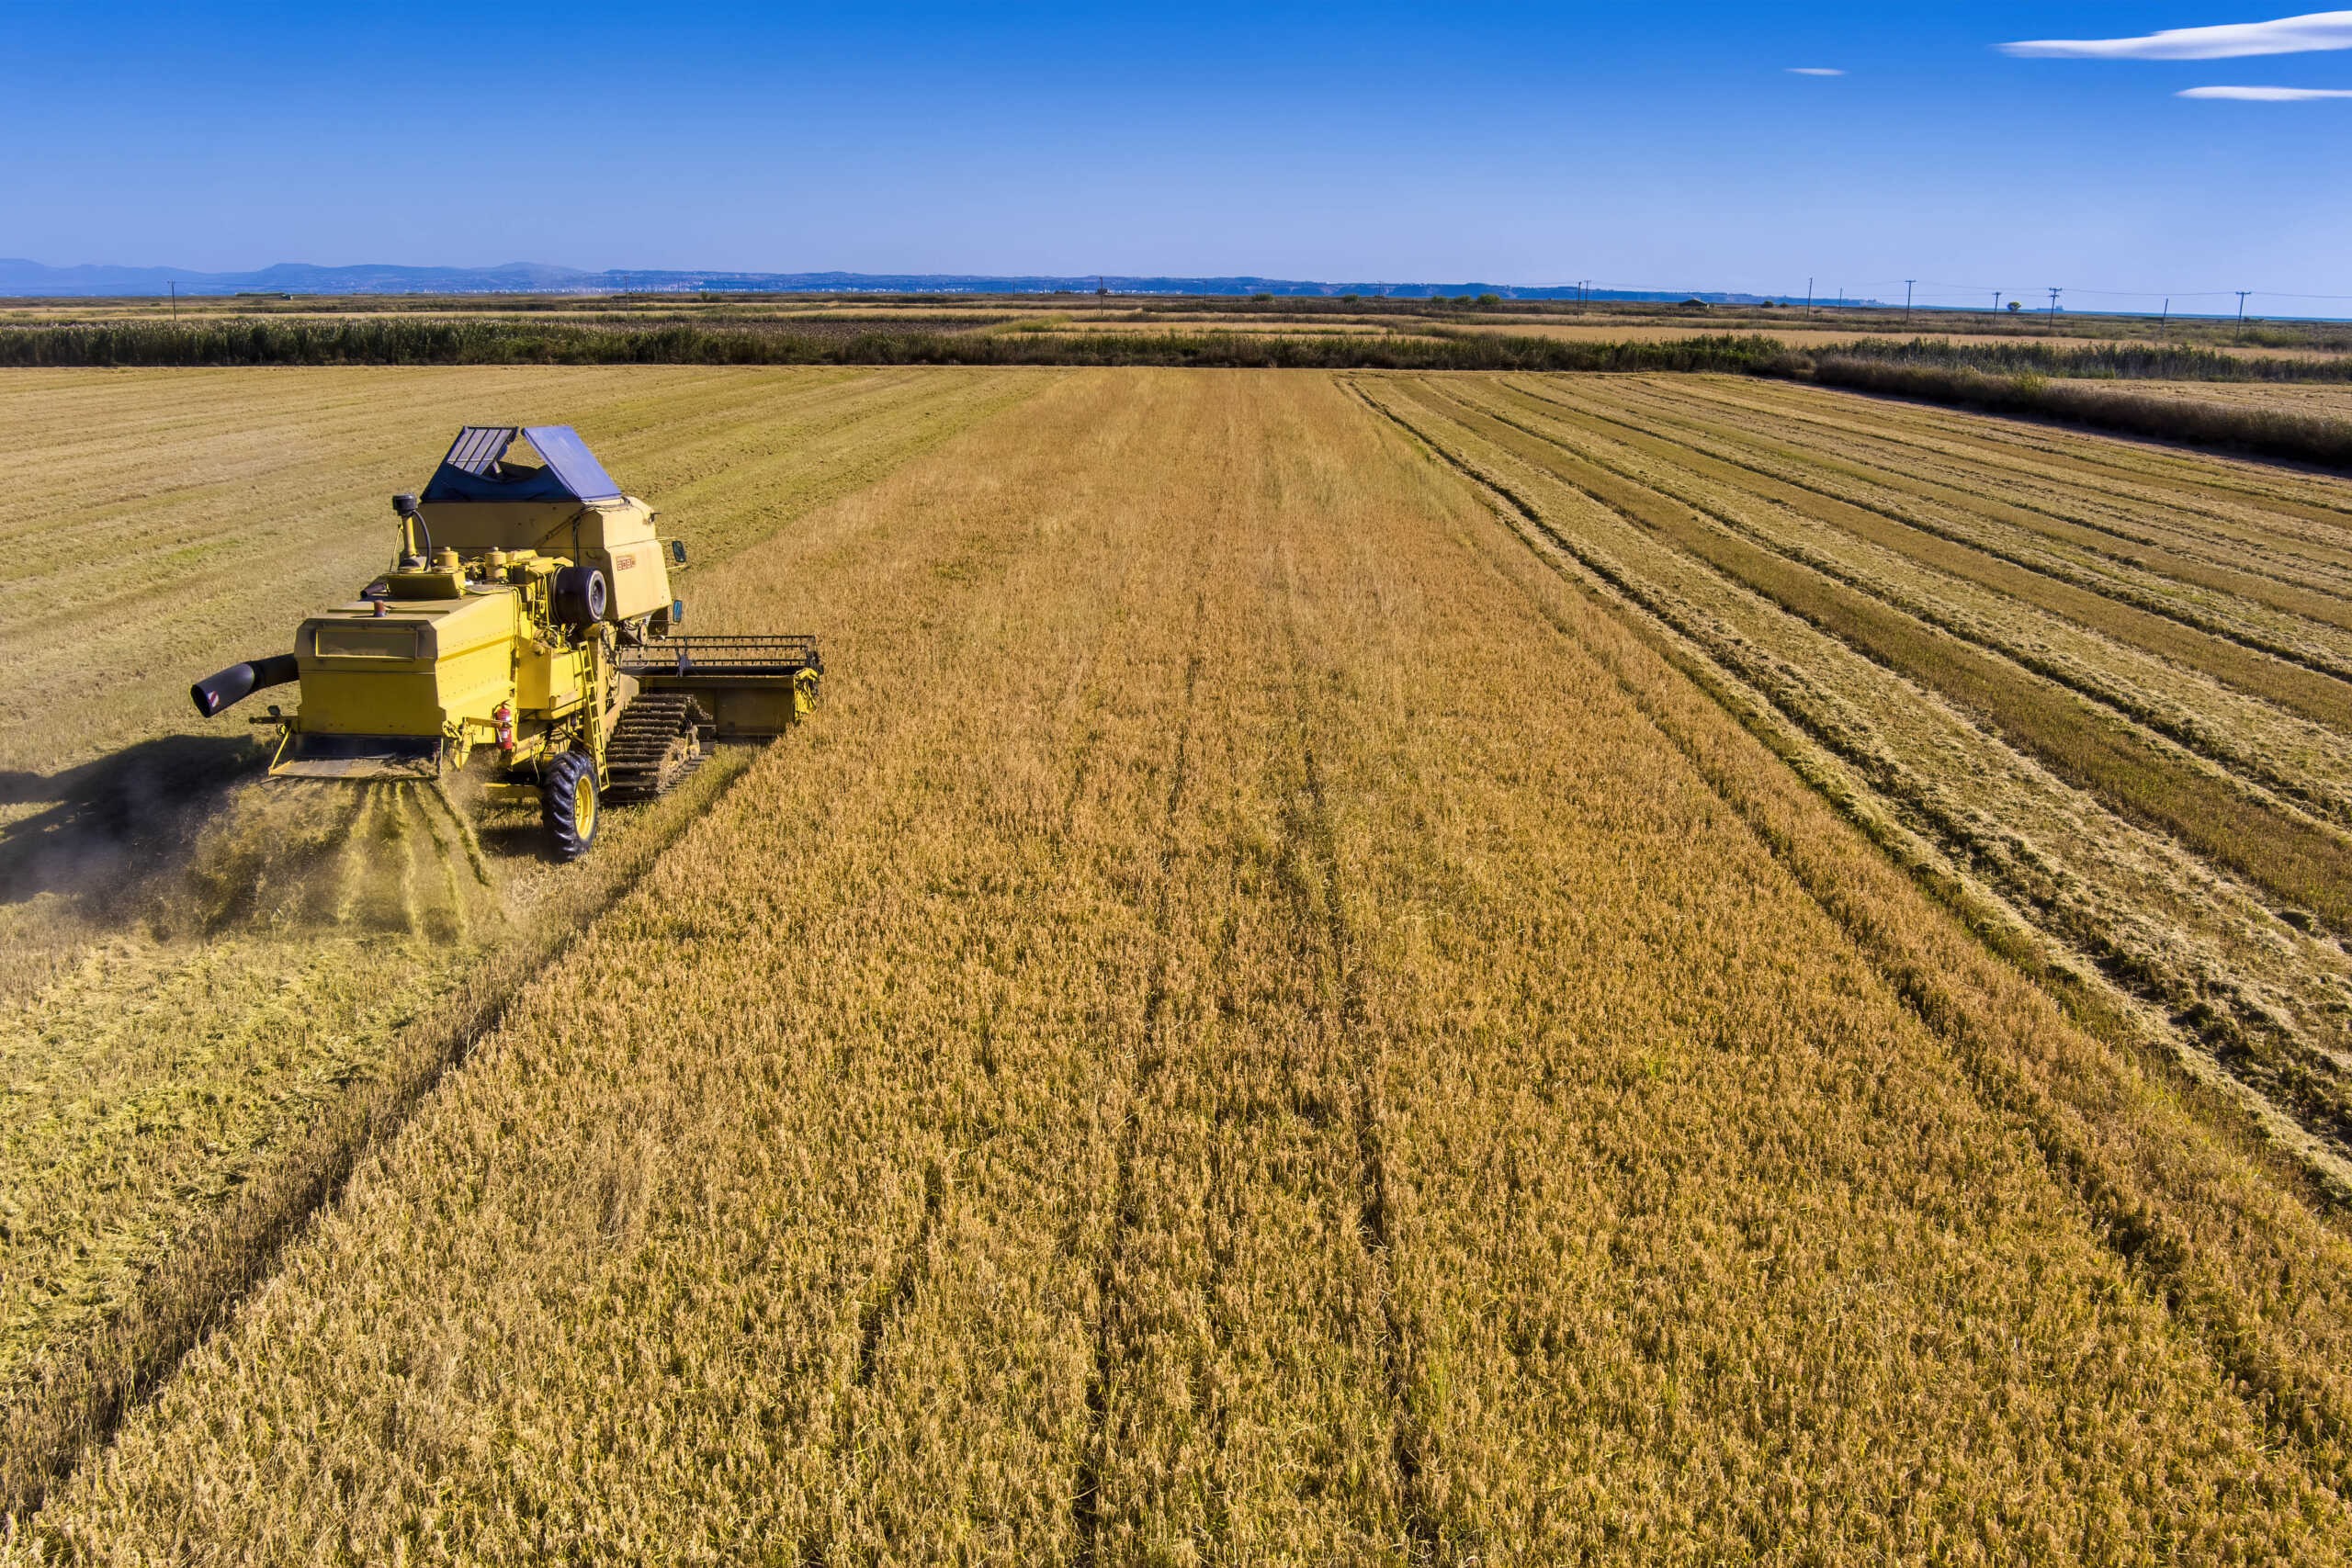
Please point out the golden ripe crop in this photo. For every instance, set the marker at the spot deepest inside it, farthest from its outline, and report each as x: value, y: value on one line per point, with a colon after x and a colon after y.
x: 213, y: 994
x: 1395, y: 969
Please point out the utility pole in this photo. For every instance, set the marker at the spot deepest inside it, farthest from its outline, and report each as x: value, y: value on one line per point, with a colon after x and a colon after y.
x: 1997, y: 303
x: 2053, y: 305
x: 2242, y: 294
x: 2163, y: 319
x: 1808, y: 298
x: 1906, y: 300
x: 175, y: 299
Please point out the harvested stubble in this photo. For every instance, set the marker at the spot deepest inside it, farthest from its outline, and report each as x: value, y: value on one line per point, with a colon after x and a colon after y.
x: 1264, y: 1022
x: 215, y: 1001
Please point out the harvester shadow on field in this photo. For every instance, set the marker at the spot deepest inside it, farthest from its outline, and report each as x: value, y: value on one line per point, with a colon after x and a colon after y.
x: 116, y: 825
x: 182, y: 832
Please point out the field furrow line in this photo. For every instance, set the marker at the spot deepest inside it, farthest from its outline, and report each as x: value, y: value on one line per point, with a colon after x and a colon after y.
x: 1086, y: 1500
x: 1348, y: 1017
x: 1239, y: 1316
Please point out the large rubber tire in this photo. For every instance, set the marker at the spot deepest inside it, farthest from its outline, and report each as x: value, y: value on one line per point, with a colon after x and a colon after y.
x: 571, y: 805
x: 579, y: 596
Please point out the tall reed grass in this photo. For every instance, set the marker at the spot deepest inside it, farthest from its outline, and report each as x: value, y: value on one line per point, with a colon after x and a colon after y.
x: 2094, y: 361
x: 2105, y: 405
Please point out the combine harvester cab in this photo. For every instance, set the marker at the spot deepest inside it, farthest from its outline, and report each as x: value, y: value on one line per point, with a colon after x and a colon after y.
x: 527, y: 613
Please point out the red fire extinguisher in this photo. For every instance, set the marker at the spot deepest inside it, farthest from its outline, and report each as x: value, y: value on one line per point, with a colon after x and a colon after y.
x: 502, y: 718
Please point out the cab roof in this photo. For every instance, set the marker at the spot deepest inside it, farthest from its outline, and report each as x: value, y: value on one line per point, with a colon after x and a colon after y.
x: 520, y: 462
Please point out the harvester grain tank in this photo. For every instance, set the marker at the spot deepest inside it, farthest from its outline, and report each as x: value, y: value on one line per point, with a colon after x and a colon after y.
x: 528, y: 614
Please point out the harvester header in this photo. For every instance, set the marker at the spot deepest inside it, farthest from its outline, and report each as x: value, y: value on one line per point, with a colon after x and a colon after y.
x: 528, y: 612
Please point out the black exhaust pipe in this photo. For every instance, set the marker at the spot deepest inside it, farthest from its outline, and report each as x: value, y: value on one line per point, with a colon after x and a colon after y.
x: 239, y: 682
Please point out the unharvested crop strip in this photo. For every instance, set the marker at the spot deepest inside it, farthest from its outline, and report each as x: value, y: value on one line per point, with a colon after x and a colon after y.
x: 2305, y: 552
x: 2006, y: 529
x: 2288, y: 639
x: 2091, y: 463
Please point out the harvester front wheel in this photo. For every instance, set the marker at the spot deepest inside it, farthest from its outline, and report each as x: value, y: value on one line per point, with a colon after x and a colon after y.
x: 569, y: 803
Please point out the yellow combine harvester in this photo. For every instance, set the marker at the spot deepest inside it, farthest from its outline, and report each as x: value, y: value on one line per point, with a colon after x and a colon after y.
x: 527, y: 614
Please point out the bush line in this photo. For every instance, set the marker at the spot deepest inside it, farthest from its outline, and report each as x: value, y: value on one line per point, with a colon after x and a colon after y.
x: 536, y: 342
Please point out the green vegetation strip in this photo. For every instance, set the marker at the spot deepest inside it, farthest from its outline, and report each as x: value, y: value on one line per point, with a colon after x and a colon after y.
x: 2296, y: 859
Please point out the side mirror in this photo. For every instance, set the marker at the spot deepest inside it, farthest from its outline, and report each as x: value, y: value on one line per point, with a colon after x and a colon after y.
x: 678, y: 551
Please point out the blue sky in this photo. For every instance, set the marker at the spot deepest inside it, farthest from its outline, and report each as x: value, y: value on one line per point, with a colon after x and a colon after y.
x: 1667, y: 146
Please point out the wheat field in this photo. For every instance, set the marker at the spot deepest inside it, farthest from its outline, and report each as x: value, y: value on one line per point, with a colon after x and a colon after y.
x: 1362, y: 968
x: 213, y: 992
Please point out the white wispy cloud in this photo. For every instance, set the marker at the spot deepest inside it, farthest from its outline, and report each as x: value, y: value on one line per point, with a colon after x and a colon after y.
x: 2288, y: 34
x: 2267, y: 94
x: 1814, y: 71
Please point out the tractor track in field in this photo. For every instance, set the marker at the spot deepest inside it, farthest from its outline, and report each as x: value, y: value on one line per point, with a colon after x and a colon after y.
x: 81, y: 1393
x: 2147, y: 1241
x: 1343, y: 984
x: 1086, y: 1496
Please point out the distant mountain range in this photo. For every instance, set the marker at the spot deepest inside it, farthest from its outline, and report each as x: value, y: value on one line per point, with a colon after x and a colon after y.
x: 28, y: 277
